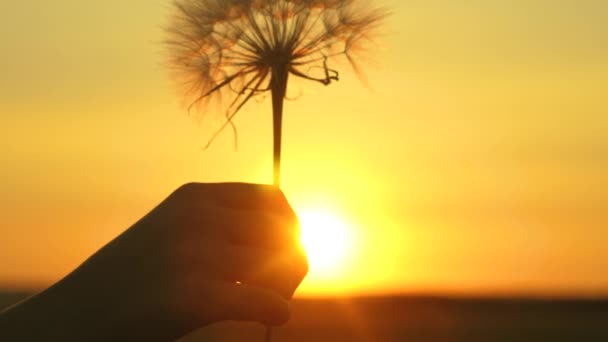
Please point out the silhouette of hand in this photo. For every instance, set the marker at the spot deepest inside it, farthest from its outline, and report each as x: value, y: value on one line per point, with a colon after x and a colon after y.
x: 209, y: 252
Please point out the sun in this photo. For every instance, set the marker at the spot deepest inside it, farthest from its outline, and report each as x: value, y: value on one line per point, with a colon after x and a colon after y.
x: 328, y: 240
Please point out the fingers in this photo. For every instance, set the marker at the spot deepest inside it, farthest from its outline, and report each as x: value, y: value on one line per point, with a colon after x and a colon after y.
x: 249, y: 196
x: 267, y: 229
x: 243, y: 302
x: 246, y: 213
x: 232, y: 232
x: 257, y: 229
x: 279, y: 271
x: 208, y: 290
x: 197, y: 301
x: 236, y: 196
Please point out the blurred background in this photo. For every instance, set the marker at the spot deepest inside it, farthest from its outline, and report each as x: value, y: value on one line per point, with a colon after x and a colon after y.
x: 470, y: 176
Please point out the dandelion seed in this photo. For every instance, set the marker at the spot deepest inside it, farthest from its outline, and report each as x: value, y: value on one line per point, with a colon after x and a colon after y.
x: 231, y: 51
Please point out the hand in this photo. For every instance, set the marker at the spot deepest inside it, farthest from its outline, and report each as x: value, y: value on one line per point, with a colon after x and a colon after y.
x: 209, y: 252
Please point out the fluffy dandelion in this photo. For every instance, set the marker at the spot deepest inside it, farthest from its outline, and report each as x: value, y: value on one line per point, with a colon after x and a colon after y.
x: 231, y: 51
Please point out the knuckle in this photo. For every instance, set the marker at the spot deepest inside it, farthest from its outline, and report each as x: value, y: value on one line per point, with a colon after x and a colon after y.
x: 188, y: 187
x: 187, y: 190
x: 301, y: 266
x: 281, y: 198
x: 305, y: 268
x: 254, y: 189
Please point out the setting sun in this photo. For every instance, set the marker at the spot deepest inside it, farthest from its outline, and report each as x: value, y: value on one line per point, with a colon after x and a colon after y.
x: 328, y: 241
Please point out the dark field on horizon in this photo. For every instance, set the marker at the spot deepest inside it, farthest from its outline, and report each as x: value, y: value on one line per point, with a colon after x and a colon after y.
x: 420, y: 319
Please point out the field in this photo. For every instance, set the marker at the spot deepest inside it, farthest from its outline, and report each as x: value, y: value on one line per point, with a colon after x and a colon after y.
x: 421, y: 319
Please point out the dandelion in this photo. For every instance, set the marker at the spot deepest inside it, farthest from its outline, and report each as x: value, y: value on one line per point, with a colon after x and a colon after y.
x: 230, y: 51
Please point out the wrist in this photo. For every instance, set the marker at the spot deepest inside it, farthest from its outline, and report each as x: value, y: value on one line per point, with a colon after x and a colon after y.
x: 46, y: 316
x: 73, y: 309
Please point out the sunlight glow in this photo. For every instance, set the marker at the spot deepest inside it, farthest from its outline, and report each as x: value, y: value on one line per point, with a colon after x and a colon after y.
x: 328, y: 241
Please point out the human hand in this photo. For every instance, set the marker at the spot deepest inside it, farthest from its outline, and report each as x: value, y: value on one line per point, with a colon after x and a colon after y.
x: 177, y: 268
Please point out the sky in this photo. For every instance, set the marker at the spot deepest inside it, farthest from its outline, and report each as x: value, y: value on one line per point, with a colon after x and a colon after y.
x: 474, y: 161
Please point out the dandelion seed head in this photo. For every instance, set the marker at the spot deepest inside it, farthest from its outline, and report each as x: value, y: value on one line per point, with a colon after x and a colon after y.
x: 228, y: 50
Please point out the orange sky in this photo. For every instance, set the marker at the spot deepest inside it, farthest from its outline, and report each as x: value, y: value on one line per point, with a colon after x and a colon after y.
x: 477, y: 163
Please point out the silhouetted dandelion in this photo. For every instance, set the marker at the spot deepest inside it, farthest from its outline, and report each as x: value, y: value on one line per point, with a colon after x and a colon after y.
x: 234, y: 50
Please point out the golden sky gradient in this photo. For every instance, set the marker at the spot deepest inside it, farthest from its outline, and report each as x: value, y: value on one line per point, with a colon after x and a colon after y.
x: 477, y: 163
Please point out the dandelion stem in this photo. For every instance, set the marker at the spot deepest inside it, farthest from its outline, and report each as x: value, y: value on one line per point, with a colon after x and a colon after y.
x: 268, y: 336
x: 278, y: 88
